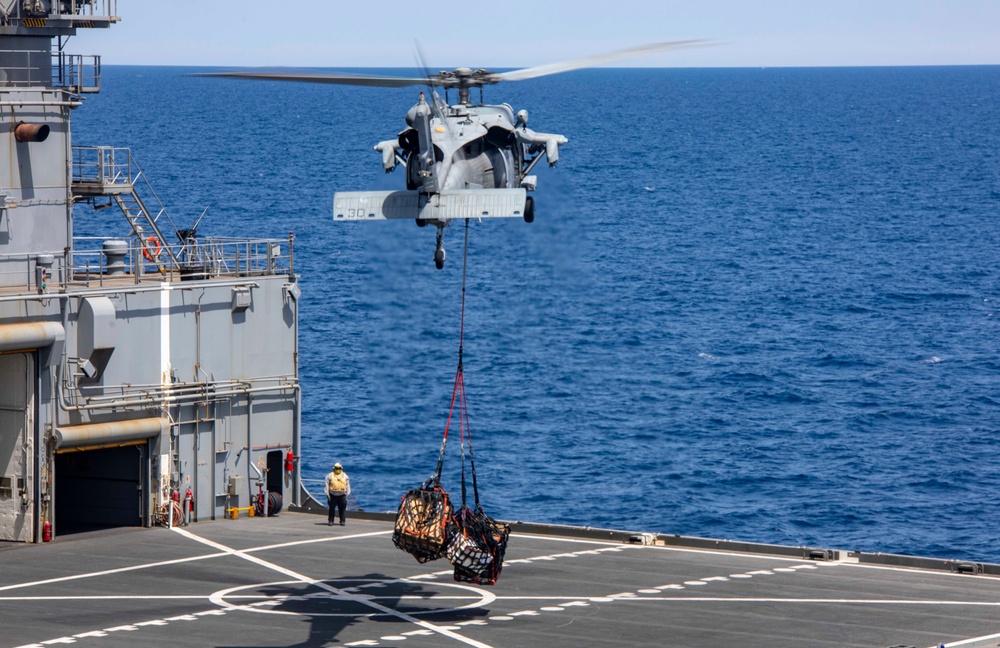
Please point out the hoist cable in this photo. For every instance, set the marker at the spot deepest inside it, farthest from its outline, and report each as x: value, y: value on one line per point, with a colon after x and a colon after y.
x: 458, y: 392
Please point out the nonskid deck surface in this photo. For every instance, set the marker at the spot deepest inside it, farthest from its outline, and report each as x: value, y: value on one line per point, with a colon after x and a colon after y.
x: 294, y: 581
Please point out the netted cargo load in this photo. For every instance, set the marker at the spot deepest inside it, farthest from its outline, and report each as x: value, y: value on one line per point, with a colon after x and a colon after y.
x: 427, y: 526
x: 477, y: 547
x: 423, y: 522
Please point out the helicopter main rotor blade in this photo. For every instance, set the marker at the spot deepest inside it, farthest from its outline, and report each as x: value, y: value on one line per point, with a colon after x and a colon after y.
x: 594, y: 61
x: 339, y: 79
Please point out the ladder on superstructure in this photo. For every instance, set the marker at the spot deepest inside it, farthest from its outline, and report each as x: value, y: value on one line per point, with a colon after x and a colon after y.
x: 102, y: 171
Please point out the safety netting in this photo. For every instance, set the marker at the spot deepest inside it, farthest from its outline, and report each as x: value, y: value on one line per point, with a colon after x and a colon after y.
x: 422, y: 522
x: 477, y: 547
x: 428, y: 527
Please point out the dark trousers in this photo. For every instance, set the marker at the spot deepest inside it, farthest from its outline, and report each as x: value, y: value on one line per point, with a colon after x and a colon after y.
x: 338, y: 501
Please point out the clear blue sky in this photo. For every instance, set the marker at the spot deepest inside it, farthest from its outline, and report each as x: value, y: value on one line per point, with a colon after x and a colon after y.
x: 521, y: 33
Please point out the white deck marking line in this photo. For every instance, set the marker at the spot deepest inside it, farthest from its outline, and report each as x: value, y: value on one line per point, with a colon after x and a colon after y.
x: 125, y: 628
x: 295, y: 543
x: 711, y: 579
x: 108, y: 572
x: 720, y: 599
x: 178, y: 561
x: 103, y: 598
x: 434, y: 575
x: 624, y: 547
x: 315, y: 583
x: 975, y: 641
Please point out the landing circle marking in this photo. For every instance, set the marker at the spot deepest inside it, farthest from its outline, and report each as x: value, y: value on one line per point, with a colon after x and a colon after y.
x: 481, y: 598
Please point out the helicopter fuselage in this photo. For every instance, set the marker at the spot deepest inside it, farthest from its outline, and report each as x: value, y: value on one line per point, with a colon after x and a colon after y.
x: 461, y: 161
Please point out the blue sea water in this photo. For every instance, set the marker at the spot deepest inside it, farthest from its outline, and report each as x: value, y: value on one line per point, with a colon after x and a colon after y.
x: 756, y: 304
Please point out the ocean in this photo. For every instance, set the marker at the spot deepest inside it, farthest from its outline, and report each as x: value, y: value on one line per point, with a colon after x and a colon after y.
x: 755, y: 304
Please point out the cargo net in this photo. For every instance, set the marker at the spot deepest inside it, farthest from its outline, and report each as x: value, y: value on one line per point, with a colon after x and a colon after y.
x: 423, y: 522
x: 477, y: 546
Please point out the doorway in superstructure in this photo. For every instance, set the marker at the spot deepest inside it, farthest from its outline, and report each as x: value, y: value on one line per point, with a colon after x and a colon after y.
x: 101, y: 488
x: 275, y: 471
x: 16, y: 452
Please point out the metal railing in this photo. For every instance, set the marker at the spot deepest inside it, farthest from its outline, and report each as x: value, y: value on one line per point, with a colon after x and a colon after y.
x: 105, y: 166
x: 91, y: 8
x: 89, y: 265
x: 110, y: 171
x: 199, y: 259
x: 77, y: 73
x: 11, y: 10
x: 19, y: 271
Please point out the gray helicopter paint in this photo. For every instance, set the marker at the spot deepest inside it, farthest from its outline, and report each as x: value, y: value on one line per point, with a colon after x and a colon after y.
x: 440, y: 207
x: 457, y: 148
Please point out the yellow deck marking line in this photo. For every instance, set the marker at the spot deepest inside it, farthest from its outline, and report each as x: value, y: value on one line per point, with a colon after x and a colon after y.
x: 339, y: 592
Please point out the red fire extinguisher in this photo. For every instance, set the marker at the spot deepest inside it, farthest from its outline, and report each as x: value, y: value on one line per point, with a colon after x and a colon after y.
x: 47, y: 531
x: 290, y: 462
x: 189, y: 499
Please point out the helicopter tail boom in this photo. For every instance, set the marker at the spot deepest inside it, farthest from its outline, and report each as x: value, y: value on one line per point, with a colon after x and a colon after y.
x: 433, y: 208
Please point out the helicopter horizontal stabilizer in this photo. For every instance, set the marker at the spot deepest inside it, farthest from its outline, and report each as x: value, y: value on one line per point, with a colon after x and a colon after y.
x: 439, y: 207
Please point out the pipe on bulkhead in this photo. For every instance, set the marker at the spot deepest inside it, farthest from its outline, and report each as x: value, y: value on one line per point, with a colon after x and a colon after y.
x: 31, y: 132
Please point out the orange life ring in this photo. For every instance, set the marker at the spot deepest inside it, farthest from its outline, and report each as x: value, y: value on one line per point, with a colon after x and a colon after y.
x: 154, y: 243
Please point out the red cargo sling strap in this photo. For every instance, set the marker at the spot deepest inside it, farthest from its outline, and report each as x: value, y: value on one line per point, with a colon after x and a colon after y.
x: 427, y: 526
x: 477, y: 543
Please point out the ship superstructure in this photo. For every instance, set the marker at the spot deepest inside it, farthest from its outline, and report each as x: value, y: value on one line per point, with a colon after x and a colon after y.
x: 141, y: 366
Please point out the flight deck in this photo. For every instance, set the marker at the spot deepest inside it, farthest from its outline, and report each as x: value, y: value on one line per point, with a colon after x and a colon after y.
x: 294, y: 581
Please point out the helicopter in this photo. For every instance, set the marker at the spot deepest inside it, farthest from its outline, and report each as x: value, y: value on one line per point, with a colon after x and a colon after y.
x: 461, y: 160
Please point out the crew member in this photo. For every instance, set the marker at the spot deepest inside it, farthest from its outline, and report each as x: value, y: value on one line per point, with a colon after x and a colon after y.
x: 338, y: 487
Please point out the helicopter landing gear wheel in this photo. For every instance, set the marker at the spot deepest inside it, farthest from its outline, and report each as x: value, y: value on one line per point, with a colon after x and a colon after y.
x: 421, y: 222
x: 529, y: 209
x: 439, y: 250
